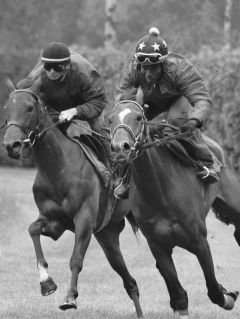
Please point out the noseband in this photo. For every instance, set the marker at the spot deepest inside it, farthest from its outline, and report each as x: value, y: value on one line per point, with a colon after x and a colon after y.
x: 138, y: 137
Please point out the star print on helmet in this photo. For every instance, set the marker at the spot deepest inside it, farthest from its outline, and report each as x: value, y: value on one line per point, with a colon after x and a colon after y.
x: 141, y: 46
x: 155, y: 46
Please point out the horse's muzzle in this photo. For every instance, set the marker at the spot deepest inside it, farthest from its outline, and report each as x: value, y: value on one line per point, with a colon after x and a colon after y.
x: 14, y: 149
x: 121, y: 151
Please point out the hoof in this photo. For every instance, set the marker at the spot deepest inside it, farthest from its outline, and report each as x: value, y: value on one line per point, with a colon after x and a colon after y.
x: 228, y: 302
x: 48, y: 287
x: 183, y: 314
x: 234, y: 295
x: 68, y: 305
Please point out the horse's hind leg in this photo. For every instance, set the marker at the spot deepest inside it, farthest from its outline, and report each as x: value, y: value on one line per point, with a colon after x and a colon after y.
x: 53, y: 230
x: 216, y: 292
x: 108, y: 238
x: 165, y: 265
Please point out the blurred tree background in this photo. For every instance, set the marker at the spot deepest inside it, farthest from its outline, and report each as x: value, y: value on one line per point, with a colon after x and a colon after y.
x: 106, y: 32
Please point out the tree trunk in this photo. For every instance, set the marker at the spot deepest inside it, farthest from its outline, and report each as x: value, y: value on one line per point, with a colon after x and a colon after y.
x: 110, y: 32
x: 227, y: 23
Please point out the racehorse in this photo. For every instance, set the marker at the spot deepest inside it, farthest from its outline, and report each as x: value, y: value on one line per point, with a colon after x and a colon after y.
x: 68, y: 192
x: 170, y: 204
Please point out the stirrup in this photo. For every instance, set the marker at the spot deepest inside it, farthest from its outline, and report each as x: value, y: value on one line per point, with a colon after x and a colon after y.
x: 115, y: 190
x: 207, y: 172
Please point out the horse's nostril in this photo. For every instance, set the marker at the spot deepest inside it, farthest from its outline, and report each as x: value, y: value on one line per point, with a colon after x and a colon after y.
x: 126, y: 146
x: 17, y: 144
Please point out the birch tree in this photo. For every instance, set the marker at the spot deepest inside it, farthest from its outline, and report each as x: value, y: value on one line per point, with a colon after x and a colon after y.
x: 227, y: 23
x: 110, y: 32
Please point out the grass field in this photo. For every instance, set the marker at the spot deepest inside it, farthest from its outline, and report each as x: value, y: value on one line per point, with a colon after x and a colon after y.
x: 101, y: 294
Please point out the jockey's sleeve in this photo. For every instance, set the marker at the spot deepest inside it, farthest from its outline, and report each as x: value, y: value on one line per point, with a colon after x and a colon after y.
x: 126, y: 87
x: 92, y: 93
x: 32, y: 76
x: 191, y: 84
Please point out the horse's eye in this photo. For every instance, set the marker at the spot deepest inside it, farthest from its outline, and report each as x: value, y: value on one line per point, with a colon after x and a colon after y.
x: 30, y: 108
x: 139, y: 117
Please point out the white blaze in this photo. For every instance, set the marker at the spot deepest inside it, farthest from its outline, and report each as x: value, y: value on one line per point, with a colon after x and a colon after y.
x: 123, y: 114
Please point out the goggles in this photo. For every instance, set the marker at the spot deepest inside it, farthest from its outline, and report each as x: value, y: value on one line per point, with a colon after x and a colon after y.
x: 151, y: 59
x: 53, y: 66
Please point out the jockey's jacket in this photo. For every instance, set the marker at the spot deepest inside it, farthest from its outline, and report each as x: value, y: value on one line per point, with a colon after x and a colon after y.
x: 81, y: 87
x: 179, y: 78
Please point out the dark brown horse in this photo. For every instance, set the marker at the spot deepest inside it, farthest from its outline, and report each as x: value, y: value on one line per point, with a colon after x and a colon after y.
x: 170, y: 204
x: 68, y: 192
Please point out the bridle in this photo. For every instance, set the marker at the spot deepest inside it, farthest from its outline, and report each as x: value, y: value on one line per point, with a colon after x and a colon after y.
x: 140, y: 143
x: 33, y: 135
x: 137, y: 138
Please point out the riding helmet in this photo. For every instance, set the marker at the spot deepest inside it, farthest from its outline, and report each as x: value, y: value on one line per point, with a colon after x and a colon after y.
x: 55, y: 52
x: 152, y: 44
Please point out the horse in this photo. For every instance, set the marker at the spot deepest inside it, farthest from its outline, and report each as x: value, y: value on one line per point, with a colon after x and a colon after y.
x: 68, y: 192
x: 170, y: 204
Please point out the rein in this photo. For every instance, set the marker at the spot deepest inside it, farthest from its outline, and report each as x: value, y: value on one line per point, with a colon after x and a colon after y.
x: 166, y: 139
x: 145, y: 127
x: 36, y: 134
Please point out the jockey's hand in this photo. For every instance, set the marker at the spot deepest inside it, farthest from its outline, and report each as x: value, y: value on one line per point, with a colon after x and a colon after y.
x: 67, y: 115
x: 189, y: 126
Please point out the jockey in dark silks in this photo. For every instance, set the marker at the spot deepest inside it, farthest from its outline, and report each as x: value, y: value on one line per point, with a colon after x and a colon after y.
x: 172, y: 86
x: 71, y: 86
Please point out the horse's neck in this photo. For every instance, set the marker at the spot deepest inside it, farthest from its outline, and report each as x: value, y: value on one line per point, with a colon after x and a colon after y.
x: 51, y: 151
x: 154, y: 169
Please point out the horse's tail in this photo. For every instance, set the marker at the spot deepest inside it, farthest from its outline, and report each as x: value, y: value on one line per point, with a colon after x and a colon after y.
x: 222, y: 211
x: 219, y: 208
x: 134, y: 225
x: 132, y: 222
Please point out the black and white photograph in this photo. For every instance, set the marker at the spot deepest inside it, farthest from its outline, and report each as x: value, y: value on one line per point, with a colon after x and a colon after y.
x: 119, y: 159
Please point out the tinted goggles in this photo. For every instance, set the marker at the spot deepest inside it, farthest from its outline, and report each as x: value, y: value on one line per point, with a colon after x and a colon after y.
x: 53, y: 66
x: 151, y: 59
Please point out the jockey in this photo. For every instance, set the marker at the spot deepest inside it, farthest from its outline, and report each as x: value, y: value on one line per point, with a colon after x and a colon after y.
x: 71, y: 86
x: 172, y: 86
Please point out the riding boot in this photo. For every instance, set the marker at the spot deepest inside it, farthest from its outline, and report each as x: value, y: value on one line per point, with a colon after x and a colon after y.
x: 122, y: 190
x: 198, y: 149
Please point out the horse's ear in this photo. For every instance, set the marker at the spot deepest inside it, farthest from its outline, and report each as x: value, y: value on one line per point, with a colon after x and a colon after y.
x: 139, y: 96
x: 10, y: 86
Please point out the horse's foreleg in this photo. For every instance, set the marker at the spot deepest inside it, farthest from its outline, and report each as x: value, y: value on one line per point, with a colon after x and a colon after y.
x: 37, y: 228
x: 165, y: 265
x: 108, y: 238
x: 216, y: 292
x: 83, y: 232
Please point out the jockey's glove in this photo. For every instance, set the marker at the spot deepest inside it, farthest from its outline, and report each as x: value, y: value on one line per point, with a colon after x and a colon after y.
x: 189, y: 126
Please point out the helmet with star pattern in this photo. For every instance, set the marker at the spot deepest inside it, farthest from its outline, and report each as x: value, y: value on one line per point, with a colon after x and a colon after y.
x: 151, y: 49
